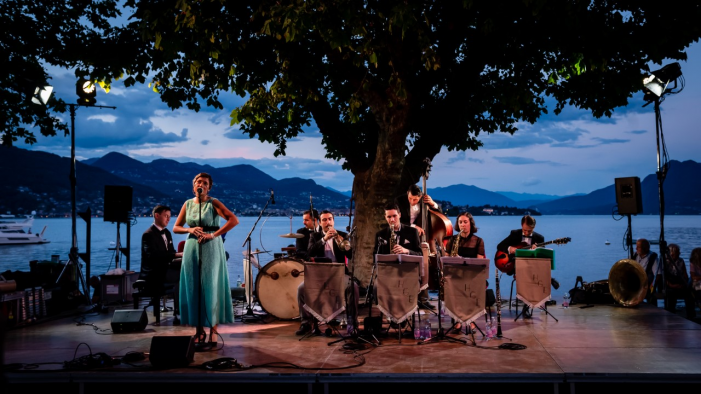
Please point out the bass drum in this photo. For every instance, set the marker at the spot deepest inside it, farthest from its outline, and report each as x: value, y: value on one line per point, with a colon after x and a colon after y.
x: 276, y: 287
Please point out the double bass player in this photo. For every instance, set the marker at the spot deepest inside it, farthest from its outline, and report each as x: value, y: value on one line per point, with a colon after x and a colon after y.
x: 411, y: 214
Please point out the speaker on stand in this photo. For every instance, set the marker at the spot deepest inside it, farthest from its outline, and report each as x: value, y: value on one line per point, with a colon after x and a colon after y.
x: 118, y: 205
x: 630, y: 202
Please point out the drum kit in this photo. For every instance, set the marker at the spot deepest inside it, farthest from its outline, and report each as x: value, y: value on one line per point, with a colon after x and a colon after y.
x: 277, y: 282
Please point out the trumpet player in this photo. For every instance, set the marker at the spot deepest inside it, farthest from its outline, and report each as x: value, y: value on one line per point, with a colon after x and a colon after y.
x: 334, y: 246
x: 329, y: 242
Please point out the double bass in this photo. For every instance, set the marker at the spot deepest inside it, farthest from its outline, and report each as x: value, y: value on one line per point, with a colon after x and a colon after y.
x: 436, y: 227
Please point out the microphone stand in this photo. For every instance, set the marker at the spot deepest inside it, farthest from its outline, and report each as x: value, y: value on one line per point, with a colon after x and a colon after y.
x: 249, y: 308
x: 200, y: 345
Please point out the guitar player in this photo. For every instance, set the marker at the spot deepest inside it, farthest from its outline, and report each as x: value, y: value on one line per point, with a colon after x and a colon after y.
x: 521, y: 239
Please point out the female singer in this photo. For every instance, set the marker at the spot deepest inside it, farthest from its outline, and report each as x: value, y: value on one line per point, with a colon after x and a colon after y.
x: 468, y: 244
x: 202, y: 215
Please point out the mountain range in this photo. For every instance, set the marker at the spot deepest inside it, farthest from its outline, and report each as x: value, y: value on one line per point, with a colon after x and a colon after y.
x: 42, y: 181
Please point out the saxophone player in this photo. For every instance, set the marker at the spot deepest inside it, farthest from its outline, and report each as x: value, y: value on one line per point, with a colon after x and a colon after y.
x: 405, y: 239
x: 465, y: 243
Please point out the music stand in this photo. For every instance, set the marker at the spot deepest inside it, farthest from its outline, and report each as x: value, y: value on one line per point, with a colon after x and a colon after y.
x: 463, y: 289
x: 533, y: 284
x: 397, y: 286
x: 324, y: 291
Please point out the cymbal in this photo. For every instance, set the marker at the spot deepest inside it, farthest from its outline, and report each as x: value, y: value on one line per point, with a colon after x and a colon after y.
x: 292, y: 235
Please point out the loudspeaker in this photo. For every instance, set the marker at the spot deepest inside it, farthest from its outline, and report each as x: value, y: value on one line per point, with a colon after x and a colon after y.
x: 129, y: 320
x: 172, y: 351
x: 117, y: 203
x: 628, y: 196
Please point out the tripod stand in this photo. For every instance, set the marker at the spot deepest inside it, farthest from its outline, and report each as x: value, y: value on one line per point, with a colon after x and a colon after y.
x: 352, y: 316
x: 250, y: 316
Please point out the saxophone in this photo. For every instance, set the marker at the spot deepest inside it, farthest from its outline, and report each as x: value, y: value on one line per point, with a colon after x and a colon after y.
x: 392, y: 238
x: 456, y: 243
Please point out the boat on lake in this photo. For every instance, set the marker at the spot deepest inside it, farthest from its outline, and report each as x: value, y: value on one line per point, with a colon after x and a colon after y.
x: 18, y: 231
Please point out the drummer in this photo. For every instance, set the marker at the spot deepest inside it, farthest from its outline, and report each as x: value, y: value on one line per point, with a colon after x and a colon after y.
x: 325, y: 245
x: 311, y: 222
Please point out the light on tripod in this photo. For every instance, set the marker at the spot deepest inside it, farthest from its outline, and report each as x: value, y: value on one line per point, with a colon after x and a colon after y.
x: 42, y: 94
x: 656, y: 83
x: 85, y: 89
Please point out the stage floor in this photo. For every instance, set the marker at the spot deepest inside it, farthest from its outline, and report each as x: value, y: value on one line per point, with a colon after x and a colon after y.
x: 644, y: 347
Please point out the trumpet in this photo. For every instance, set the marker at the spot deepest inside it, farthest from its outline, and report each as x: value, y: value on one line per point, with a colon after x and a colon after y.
x: 341, y: 242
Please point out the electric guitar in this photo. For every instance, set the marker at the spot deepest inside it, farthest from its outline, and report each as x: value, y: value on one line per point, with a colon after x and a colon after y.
x: 505, y: 262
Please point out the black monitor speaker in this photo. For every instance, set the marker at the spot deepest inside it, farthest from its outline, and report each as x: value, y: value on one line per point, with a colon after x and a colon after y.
x: 129, y: 320
x: 172, y: 351
x: 117, y: 203
x: 628, y: 196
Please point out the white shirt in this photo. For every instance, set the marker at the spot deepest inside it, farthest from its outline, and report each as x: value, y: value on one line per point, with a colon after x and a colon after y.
x: 163, y: 235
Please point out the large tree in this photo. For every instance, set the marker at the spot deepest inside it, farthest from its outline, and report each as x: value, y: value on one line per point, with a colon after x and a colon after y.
x: 389, y: 83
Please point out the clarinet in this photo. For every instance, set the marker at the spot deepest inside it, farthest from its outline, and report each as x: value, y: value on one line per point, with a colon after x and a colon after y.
x: 496, y: 281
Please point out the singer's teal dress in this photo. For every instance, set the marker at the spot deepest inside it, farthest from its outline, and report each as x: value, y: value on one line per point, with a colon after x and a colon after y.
x: 216, y: 304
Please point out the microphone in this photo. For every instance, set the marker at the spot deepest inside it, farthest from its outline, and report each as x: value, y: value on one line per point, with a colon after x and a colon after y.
x: 351, y: 231
x: 199, y: 190
x: 272, y: 196
x: 381, y: 241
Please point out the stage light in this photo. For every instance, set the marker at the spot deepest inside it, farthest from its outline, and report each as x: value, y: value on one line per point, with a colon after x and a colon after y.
x: 42, y: 94
x: 657, y: 82
x: 85, y: 89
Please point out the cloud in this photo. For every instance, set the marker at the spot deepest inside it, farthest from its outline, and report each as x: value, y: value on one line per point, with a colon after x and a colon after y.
x: 520, y: 161
x: 531, y: 182
x: 204, y: 142
x: 460, y: 156
x: 637, y: 131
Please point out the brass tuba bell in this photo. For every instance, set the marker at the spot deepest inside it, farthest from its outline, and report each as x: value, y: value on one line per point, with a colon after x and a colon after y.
x: 628, y: 282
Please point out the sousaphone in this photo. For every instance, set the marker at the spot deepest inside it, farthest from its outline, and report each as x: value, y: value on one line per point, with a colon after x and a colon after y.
x: 628, y: 282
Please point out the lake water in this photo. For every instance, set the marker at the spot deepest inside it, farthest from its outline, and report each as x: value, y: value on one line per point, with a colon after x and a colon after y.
x: 586, y: 255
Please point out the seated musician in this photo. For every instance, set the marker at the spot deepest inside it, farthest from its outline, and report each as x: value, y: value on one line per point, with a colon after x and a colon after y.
x: 157, y: 255
x: 311, y: 222
x: 406, y: 238
x: 468, y: 244
x: 464, y: 244
x: 411, y: 214
x: 522, y: 238
x: 325, y: 244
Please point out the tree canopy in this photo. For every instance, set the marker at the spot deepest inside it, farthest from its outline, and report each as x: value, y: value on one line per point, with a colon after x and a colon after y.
x: 390, y: 83
x: 39, y: 34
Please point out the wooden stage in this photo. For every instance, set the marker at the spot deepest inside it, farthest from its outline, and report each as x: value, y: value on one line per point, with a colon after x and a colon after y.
x: 639, y: 349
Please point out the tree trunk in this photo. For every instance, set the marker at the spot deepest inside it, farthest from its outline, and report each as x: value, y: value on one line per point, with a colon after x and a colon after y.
x: 373, y: 189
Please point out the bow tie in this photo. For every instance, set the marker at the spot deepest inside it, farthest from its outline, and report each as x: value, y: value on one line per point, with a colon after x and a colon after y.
x: 162, y: 231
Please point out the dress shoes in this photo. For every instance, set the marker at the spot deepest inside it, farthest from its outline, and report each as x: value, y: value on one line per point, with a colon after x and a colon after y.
x: 304, y: 329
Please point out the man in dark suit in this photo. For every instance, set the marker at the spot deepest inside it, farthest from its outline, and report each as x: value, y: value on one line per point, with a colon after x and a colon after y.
x: 157, y: 255
x: 411, y: 214
x: 311, y: 224
x: 523, y: 236
x: 409, y: 207
x: 325, y: 244
x: 407, y: 237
